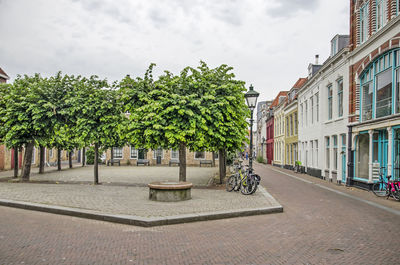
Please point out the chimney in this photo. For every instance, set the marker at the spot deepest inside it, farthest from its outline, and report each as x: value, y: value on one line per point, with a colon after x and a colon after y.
x: 316, y: 59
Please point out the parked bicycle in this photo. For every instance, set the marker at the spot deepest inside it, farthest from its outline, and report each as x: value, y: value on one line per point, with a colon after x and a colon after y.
x: 244, y: 180
x: 386, y: 189
x: 297, y: 166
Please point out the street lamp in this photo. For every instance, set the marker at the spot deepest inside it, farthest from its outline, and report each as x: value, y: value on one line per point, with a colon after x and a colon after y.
x: 251, y: 99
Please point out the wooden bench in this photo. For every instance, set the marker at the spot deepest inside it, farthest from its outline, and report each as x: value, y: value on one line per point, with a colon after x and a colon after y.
x: 113, y: 161
x: 174, y: 161
x: 142, y: 162
x: 206, y: 162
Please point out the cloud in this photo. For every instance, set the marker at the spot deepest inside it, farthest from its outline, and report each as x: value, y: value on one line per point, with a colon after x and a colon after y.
x: 286, y: 8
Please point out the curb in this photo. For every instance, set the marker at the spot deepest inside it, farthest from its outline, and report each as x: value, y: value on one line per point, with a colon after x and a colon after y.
x: 145, y: 221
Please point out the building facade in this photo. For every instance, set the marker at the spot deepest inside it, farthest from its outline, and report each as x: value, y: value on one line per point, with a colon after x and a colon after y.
x: 270, y: 135
x: 291, y: 125
x: 310, y: 125
x: 279, y: 131
x: 374, y: 99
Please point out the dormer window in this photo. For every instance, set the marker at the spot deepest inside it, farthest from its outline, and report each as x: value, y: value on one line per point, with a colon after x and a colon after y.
x: 334, y: 46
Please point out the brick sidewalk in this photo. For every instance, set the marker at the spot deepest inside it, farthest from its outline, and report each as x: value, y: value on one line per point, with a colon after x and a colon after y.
x: 352, y: 191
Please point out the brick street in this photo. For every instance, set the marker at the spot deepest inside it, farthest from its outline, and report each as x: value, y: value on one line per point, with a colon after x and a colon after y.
x: 318, y: 226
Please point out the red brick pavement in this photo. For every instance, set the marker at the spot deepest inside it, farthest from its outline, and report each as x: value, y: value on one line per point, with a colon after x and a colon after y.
x: 317, y: 227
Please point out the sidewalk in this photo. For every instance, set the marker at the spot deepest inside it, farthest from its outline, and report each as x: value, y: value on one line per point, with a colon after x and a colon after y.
x: 360, y: 194
x: 124, y: 198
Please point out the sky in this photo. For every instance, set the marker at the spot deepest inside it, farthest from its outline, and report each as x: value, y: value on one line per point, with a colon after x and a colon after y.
x: 268, y: 43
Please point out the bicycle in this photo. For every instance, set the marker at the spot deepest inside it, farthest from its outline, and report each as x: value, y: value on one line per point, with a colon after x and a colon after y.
x: 386, y: 189
x: 296, y: 168
x: 246, y: 181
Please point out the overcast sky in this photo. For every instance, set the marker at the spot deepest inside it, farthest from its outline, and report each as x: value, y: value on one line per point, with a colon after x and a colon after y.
x: 269, y: 43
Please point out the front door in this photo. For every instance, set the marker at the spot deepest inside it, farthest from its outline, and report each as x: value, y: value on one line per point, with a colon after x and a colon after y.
x: 380, y: 150
x: 343, y: 158
x: 142, y: 154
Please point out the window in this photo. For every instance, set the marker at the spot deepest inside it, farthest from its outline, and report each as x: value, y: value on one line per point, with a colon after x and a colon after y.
x: 381, y: 13
x: 199, y: 155
x: 364, y: 16
x: 367, y: 101
x: 362, y: 156
x: 316, y: 153
x: 134, y: 153
x: 158, y: 152
x: 117, y: 152
x: 317, y: 106
x: 327, y: 162
x: 312, y: 153
x: 334, y: 47
x: 174, y: 154
x: 312, y: 109
x: 51, y: 154
x: 301, y: 114
x: 335, y: 152
x: 306, y: 114
x: 396, y: 158
x: 330, y: 102
x: 295, y: 123
x: 33, y: 155
x: 291, y: 124
x: 398, y: 89
x: 287, y: 126
x: 340, y: 97
x: 384, y: 93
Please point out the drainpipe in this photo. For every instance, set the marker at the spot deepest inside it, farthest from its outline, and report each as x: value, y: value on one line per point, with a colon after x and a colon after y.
x: 350, y: 164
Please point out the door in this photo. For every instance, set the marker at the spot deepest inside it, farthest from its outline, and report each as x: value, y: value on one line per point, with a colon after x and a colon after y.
x: 380, y: 150
x: 142, y: 154
x: 343, y: 158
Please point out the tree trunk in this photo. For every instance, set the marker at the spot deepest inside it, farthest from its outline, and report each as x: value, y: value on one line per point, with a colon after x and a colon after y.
x: 222, y: 165
x: 83, y: 156
x: 182, y: 162
x: 59, y: 159
x: 96, y: 164
x: 70, y: 159
x: 26, y: 168
x: 41, y: 159
x: 213, y: 159
x: 16, y: 162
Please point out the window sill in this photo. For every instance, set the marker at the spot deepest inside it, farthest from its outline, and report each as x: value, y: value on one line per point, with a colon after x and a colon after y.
x: 334, y: 120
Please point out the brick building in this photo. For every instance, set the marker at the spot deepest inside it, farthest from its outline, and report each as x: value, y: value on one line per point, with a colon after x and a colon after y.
x: 374, y: 96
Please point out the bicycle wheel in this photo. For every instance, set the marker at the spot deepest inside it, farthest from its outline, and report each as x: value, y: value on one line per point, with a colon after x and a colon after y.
x: 248, y: 186
x: 231, y: 183
x: 380, y: 189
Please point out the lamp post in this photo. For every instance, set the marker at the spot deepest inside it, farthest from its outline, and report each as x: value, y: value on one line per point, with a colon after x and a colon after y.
x: 251, y: 99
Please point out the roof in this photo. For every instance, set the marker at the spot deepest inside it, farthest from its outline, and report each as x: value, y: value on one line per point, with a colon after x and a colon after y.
x: 275, y: 102
x: 3, y: 74
x: 300, y: 82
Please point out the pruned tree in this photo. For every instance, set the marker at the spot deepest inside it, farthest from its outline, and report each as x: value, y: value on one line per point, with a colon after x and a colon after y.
x: 224, y: 110
x: 25, y: 118
x: 98, y: 114
x: 163, y: 113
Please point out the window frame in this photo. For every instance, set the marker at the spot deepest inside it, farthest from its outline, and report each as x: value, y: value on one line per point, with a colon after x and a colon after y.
x: 364, y: 22
x: 132, y: 148
x: 114, y: 153
x: 204, y: 152
x: 330, y: 101
x: 340, y: 97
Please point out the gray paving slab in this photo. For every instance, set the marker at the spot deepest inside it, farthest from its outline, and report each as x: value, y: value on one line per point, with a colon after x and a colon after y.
x: 129, y: 204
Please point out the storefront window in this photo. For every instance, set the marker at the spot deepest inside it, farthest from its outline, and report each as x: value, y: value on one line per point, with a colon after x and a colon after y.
x: 398, y: 89
x: 396, y: 154
x: 367, y: 101
x: 384, y: 93
x: 362, y: 156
